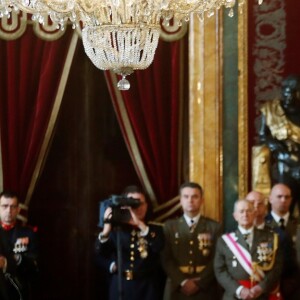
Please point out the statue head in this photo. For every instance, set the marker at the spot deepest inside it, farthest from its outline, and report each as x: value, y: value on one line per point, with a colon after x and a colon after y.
x: 290, y: 100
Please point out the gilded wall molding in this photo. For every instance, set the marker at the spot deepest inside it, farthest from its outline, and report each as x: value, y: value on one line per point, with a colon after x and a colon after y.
x: 14, y: 27
x: 205, y: 88
x: 173, y: 32
x: 243, y: 157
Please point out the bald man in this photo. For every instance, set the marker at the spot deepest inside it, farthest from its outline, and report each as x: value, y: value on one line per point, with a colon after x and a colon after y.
x: 260, y: 208
x: 281, y: 221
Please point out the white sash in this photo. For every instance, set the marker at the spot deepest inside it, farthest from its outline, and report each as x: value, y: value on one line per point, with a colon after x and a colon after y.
x: 243, y: 256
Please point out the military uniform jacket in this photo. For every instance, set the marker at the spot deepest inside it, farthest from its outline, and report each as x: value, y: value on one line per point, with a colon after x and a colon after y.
x: 187, y: 249
x: 140, y: 255
x: 287, y: 239
x: 229, y: 271
x: 24, y: 269
x: 290, y: 275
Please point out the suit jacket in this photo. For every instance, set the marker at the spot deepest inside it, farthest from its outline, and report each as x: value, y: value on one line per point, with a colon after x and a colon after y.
x: 184, y: 248
x: 24, y: 270
x: 146, y: 268
x: 229, y: 271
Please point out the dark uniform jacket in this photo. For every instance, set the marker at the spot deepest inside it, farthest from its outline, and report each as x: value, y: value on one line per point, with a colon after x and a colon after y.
x: 140, y: 260
x: 229, y: 271
x: 290, y: 275
x: 22, y: 267
x: 188, y: 255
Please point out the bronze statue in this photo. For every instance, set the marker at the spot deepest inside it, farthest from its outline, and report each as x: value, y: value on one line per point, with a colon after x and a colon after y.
x: 280, y: 131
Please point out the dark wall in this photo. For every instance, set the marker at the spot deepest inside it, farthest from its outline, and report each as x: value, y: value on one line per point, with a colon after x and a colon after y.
x: 87, y: 161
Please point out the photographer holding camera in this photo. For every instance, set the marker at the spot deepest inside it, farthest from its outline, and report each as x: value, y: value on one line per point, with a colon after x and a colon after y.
x: 137, y: 275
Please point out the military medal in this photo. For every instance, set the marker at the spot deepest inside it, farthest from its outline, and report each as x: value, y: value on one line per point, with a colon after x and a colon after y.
x: 144, y: 254
x: 204, y: 243
x: 205, y: 252
x: 142, y: 247
x: 21, y: 245
x: 264, y: 253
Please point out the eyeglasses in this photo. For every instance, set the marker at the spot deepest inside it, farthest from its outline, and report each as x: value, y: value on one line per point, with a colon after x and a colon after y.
x: 6, y: 206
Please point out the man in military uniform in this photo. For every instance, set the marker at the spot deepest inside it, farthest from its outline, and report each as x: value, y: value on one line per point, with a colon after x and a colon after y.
x: 281, y: 221
x: 189, y: 249
x: 136, y: 273
x: 18, y: 251
x: 247, y: 262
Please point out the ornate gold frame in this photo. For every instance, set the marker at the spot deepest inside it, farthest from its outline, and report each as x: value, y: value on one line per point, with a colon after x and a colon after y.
x: 243, y: 157
x: 205, y: 88
x: 206, y: 103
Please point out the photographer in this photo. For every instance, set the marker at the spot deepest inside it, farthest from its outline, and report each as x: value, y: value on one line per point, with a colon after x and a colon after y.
x: 140, y: 246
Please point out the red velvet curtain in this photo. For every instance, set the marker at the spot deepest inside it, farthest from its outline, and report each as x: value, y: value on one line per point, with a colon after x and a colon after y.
x: 154, y: 106
x: 29, y: 78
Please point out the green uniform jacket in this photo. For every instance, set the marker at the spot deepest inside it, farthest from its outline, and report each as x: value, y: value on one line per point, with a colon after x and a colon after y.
x: 190, y: 250
x: 229, y: 271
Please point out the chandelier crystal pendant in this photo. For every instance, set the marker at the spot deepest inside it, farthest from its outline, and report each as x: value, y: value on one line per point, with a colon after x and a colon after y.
x: 123, y: 50
x: 118, y: 35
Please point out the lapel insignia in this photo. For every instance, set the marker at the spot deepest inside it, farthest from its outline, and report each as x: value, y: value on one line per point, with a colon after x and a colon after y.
x: 176, y: 236
x: 234, y: 263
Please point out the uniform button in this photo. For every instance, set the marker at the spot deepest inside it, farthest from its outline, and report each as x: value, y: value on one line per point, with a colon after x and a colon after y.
x: 191, y: 242
x: 191, y: 252
x: 190, y: 262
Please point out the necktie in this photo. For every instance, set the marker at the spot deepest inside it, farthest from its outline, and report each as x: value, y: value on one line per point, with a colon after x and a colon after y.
x: 192, y: 227
x: 281, y: 223
x: 246, y: 237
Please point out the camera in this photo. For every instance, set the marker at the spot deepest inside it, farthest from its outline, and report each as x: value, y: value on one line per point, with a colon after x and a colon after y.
x: 119, y: 214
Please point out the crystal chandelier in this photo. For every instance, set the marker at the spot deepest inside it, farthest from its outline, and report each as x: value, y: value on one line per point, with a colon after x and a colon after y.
x: 118, y: 35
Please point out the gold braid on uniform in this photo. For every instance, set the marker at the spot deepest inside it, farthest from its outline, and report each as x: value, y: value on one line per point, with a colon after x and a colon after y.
x: 267, y: 267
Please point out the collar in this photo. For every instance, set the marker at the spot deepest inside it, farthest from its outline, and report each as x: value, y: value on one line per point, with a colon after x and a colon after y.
x: 7, y: 227
x: 277, y: 218
x: 246, y: 231
x: 188, y: 219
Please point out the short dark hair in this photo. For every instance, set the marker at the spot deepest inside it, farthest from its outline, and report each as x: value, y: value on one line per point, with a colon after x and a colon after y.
x: 9, y: 194
x: 192, y: 185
